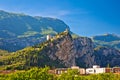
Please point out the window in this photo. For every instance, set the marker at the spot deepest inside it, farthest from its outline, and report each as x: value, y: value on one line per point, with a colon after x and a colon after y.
x: 90, y: 70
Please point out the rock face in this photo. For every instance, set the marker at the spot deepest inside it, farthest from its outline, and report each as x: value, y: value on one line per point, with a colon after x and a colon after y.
x: 71, y: 52
x: 62, y: 49
x: 81, y: 52
x: 105, y: 56
x: 84, y: 52
x: 66, y: 53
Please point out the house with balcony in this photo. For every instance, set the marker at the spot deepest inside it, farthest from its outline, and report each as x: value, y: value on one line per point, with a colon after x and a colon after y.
x: 95, y: 70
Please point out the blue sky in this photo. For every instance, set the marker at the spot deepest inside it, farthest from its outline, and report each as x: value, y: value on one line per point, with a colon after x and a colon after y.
x: 85, y: 17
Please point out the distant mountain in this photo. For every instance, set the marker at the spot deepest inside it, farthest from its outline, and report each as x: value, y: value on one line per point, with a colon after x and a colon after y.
x: 107, y: 37
x: 19, y: 30
x: 20, y: 25
x: 62, y: 51
x: 108, y: 40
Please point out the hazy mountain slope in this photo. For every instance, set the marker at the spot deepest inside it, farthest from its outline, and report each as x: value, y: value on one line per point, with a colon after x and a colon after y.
x: 108, y: 40
x: 107, y: 37
x: 16, y: 25
x: 18, y: 31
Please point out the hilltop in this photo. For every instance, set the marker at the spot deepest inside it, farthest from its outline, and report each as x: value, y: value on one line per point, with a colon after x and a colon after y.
x: 62, y: 51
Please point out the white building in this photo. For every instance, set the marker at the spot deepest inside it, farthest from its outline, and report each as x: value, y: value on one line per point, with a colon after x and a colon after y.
x: 95, y: 70
x: 90, y: 71
x: 99, y: 70
x: 60, y: 70
x: 81, y: 70
x: 96, y: 66
x: 75, y: 67
x: 48, y: 37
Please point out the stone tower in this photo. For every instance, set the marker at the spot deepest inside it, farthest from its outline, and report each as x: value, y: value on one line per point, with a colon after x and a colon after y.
x: 66, y: 30
x: 48, y: 37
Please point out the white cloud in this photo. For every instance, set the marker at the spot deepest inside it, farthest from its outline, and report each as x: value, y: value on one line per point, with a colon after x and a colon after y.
x: 63, y: 12
x: 52, y: 13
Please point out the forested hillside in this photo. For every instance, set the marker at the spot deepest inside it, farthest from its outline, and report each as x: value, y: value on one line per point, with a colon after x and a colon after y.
x: 61, y: 51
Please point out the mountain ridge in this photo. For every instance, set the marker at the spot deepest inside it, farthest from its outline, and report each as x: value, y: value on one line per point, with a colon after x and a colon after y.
x: 107, y: 40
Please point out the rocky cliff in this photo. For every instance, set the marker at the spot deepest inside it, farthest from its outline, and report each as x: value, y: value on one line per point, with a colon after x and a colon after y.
x: 82, y: 52
x: 63, y: 51
x: 71, y: 52
x: 106, y: 55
